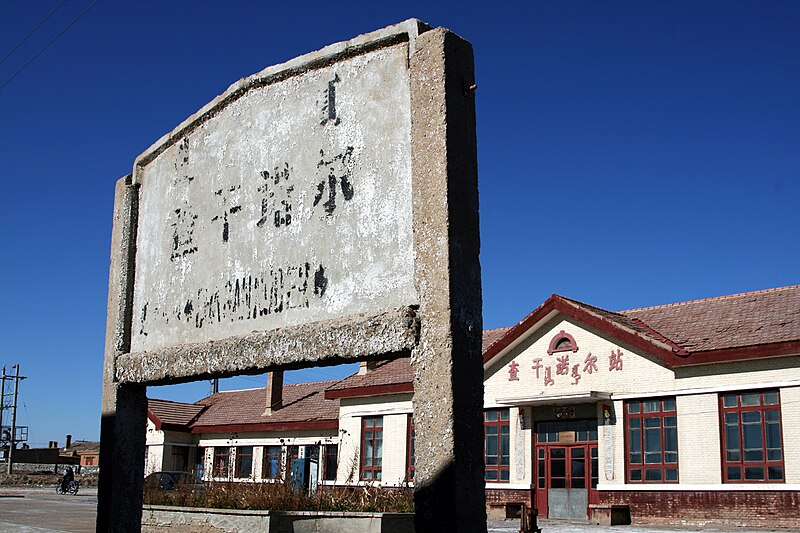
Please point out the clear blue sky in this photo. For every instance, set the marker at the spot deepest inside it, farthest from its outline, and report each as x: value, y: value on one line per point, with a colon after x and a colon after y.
x: 631, y: 154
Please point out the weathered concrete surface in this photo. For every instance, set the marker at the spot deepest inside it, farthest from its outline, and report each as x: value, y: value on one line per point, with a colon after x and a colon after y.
x: 322, y: 343
x: 199, y: 520
x: 364, y: 250
x: 448, y: 368
x: 124, y: 407
x: 287, y: 202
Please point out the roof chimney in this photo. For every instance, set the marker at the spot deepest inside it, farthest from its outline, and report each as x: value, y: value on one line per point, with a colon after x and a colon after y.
x: 274, y: 392
x: 366, y: 366
x: 69, y: 441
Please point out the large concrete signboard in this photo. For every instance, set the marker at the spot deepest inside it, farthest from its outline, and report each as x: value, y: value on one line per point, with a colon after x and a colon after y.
x: 320, y: 211
x: 290, y: 205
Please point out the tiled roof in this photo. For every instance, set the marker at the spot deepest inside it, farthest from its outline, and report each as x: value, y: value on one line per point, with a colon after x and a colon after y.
x: 302, y: 402
x: 624, y: 321
x: 398, y: 371
x: 724, y: 322
x: 491, y: 335
x: 383, y: 373
x: 173, y: 413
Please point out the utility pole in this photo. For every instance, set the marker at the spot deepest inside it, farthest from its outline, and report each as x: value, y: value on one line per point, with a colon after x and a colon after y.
x: 2, y: 405
x: 12, y: 442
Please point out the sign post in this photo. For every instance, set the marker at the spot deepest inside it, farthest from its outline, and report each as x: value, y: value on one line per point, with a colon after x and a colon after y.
x: 321, y: 211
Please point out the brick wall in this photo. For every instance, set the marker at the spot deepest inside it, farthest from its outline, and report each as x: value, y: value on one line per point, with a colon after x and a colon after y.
x: 499, y: 497
x: 766, y: 509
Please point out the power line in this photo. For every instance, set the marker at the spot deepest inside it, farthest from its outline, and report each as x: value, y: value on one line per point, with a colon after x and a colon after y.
x: 40, y: 52
x: 32, y: 32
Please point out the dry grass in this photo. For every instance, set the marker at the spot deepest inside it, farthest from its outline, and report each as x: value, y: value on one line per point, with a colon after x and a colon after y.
x: 280, y: 496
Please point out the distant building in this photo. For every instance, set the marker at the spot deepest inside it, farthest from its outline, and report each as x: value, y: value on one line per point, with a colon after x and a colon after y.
x: 673, y: 413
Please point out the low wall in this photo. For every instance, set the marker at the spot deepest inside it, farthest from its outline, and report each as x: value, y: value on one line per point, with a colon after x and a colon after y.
x: 159, y: 518
x: 762, y: 509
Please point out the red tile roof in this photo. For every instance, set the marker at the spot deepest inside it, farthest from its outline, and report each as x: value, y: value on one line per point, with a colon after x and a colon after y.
x: 304, y: 405
x: 386, y: 377
x: 491, y: 335
x: 725, y: 328
x: 391, y: 376
x: 178, y: 415
x: 725, y: 322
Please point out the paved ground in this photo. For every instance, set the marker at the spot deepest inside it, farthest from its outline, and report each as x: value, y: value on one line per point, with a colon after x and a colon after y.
x: 44, y: 511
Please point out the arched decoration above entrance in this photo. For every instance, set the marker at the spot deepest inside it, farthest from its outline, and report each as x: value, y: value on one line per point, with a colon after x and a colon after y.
x: 562, y: 342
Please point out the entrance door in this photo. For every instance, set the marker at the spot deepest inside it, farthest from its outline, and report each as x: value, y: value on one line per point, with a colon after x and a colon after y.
x: 567, y: 495
x: 565, y: 480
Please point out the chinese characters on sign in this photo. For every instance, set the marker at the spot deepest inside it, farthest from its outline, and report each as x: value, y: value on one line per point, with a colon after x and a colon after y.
x: 564, y: 367
x: 281, y: 287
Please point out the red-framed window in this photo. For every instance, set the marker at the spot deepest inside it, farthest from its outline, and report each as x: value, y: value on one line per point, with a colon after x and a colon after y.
x: 244, y: 462
x: 752, y: 440
x: 272, y: 464
x: 651, y: 441
x: 222, y: 461
x: 497, y: 444
x: 371, y: 448
x: 410, y: 438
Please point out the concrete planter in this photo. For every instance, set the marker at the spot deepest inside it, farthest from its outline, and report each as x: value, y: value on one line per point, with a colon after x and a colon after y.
x: 159, y: 518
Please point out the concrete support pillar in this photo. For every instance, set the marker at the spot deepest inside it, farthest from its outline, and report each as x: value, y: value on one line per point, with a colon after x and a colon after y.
x: 448, y: 366
x: 124, y: 407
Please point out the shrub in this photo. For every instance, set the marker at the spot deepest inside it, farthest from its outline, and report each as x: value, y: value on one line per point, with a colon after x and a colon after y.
x: 280, y: 496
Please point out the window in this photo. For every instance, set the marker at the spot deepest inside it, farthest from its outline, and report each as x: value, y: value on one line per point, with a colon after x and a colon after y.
x: 292, y: 453
x: 180, y: 458
x: 567, y: 431
x: 651, y: 441
x: 271, y: 465
x: 410, y: 438
x: 496, y: 444
x: 331, y: 461
x: 371, y: 448
x: 751, y: 434
x: 222, y: 461
x: 244, y: 462
x: 199, y: 462
x: 562, y: 342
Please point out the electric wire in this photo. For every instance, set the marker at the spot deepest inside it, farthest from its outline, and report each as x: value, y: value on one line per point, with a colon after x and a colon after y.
x: 48, y: 45
x: 32, y: 32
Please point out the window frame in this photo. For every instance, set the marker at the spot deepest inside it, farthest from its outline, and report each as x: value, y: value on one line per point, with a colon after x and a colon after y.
x: 374, y: 425
x: 410, y: 443
x: 743, y: 464
x: 330, y: 462
x: 643, y: 467
x: 499, y: 423
x: 218, y: 455
x: 238, y: 466
x: 266, y: 456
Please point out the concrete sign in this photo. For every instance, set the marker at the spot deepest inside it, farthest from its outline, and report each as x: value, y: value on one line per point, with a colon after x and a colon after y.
x: 320, y: 211
x: 290, y: 204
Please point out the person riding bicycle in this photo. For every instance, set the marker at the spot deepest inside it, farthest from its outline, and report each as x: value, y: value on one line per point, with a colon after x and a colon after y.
x: 69, y: 475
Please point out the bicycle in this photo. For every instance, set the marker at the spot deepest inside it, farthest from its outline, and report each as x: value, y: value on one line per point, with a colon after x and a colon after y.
x: 70, y: 488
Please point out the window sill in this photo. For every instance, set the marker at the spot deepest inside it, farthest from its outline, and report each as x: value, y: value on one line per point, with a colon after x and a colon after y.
x: 700, y: 487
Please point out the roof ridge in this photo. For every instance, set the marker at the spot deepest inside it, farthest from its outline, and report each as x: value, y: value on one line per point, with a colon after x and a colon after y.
x: 285, y: 385
x: 573, y: 300
x: 713, y: 298
x: 169, y: 401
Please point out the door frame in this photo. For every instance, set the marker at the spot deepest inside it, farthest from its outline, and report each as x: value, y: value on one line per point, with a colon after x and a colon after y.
x: 542, y: 450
